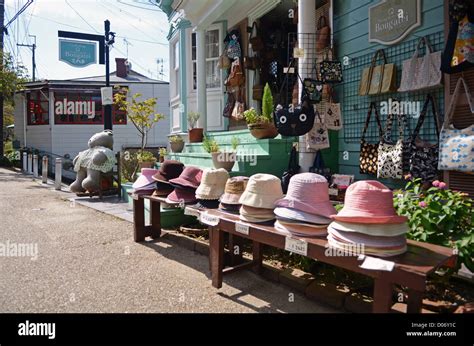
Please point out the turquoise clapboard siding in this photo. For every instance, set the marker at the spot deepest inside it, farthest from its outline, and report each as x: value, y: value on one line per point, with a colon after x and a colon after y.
x: 351, y: 39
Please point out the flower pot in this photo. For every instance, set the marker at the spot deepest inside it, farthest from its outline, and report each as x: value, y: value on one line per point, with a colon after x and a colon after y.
x: 146, y: 164
x: 224, y: 160
x: 263, y: 130
x: 195, y: 135
x: 177, y: 147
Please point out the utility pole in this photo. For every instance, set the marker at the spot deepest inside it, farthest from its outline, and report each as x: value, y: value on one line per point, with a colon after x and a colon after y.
x: 33, y: 48
x: 2, y: 21
x: 109, y: 40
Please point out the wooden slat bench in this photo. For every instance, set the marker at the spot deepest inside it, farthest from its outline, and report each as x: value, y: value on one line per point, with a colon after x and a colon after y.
x: 411, y: 269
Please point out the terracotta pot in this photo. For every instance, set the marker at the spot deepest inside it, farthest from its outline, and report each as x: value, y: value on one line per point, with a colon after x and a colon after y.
x: 147, y: 164
x: 196, y: 135
x: 224, y: 160
x: 263, y: 131
x: 177, y: 147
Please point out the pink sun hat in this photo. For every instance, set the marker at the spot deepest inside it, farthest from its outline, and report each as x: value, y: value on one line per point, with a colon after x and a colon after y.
x: 369, y: 202
x: 145, y: 180
x: 308, y: 192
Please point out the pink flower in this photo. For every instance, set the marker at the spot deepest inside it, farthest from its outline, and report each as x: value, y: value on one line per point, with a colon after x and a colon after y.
x: 442, y: 186
x: 422, y: 204
x: 435, y: 183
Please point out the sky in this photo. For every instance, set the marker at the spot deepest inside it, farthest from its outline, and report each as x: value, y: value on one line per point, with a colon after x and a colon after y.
x: 142, y: 24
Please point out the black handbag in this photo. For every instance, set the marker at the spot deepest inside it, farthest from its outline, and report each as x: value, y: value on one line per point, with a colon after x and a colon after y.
x: 293, y: 169
x: 368, y: 161
x: 330, y: 70
x: 319, y: 167
x: 294, y: 121
x: 424, y: 155
x: 314, y: 89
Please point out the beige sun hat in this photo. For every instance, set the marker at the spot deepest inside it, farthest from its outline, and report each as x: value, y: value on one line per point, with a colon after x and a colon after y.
x: 262, y: 191
x: 212, y: 184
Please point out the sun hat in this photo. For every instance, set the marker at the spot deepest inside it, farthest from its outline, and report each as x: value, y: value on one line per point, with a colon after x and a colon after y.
x: 145, y: 180
x: 334, y: 243
x: 255, y: 219
x: 169, y: 169
x: 234, y: 188
x: 294, y: 214
x: 212, y: 184
x: 308, y: 192
x: 368, y: 240
x: 207, y: 203
x: 388, y: 230
x: 301, y: 231
x: 230, y: 208
x: 256, y: 212
x: 181, y: 195
x: 162, y: 189
x: 190, y: 177
x: 369, y: 202
x: 262, y: 191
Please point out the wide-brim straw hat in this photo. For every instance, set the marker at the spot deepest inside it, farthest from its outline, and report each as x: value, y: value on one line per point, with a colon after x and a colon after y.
x: 381, y: 230
x: 338, y: 245
x: 169, y: 169
x: 300, y: 230
x: 308, y: 192
x: 369, y: 202
x: 368, y: 240
x: 289, y: 213
x: 262, y: 191
x: 234, y: 188
x: 212, y: 184
x: 145, y: 180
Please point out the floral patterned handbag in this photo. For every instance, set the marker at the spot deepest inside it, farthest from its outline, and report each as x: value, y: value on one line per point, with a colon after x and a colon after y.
x: 390, y: 155
x: 457, y: 145
x: 330, y: 70
x: 368, y: 162
x: 424, y: 155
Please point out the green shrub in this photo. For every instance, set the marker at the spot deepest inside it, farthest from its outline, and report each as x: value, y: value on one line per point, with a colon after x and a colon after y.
x: 210, y: 145
x: 440, y: 216
x: 267, y: 103
x: 5, y: 162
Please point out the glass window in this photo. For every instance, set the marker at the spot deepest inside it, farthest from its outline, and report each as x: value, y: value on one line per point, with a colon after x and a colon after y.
x: 37, y: 108
x: 82, y: 108
x: 213, y: 73
x: 176, y: 69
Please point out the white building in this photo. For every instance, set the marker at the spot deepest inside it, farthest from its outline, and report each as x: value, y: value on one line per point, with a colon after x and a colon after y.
x: 59, y: 116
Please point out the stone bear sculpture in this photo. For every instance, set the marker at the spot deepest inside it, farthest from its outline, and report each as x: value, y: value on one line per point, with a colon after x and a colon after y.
x: 90, y: 163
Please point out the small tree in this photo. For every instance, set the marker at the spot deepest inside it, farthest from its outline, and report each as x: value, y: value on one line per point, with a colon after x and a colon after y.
x: 267, y: 103
x: 140, y: 112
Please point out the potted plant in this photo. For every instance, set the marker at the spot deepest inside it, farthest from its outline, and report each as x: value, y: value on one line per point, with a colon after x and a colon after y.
x: 176, y: 143
x: 195, y: 134
x: 163, y: 152
x: 261, y: 125
x: 221, y: 159
x: 146, y: 159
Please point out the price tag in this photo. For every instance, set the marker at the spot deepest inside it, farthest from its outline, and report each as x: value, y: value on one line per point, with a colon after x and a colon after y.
x: 242, y: 228
x: 298, y: 52
x: 210, y: 220
x: 191, y: 212
x: 296, y: 246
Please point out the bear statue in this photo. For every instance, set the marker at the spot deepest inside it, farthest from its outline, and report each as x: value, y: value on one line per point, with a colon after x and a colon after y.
x: 90, y: 163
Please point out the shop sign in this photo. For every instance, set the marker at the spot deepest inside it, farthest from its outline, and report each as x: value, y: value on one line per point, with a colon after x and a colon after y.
x: 66, y: 107
x: 390, y: 21
x: 77, y: 53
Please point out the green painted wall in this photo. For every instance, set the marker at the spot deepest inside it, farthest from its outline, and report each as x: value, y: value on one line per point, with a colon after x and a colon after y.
x: 351, y: 39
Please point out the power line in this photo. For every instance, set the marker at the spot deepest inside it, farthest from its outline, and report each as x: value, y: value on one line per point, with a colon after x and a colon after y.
x: 20, y: 11
x: 85, y: 21
x: 143, y: 8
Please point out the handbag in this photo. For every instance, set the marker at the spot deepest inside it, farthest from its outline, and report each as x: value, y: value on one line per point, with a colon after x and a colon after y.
x: 332, y: 115
x: 255, y: 39
x: 229, y: 106
x: 238, y: 111
x: 456, y: 147
x: 424, y: 155
x: 314, y: 89
x: 224, y: 61
x: 294, y: 120
x: 368, y: 161
x: 330, y: 70
x: 378, y: 79
x: 390, y: 155
x: 424, y: 72
x: 318, y: 166
x: 324, y: 33
x: 318, y: 137
x: 293, y: 169
x: 236, y: 77
x: 458, y: 54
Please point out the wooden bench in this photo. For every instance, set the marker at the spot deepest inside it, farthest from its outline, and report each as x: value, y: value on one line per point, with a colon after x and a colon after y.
x: 140, y: 229
x: 411, y: 269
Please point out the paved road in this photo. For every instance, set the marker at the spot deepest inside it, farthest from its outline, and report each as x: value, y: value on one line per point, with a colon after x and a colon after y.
x: 86, y: 261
